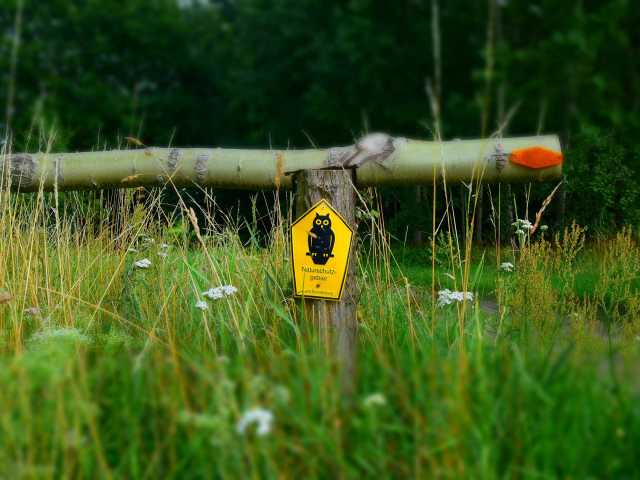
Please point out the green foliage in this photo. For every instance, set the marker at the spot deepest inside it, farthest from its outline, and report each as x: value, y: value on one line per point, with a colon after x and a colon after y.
x: 603, y: 176
x: 296, y: 72
x: 103, y: 69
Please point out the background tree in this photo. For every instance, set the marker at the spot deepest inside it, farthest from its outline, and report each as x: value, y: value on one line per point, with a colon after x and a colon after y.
x: 301, y: 72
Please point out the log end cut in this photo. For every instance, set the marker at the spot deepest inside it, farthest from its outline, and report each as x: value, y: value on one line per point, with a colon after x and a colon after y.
x: 19, y: 171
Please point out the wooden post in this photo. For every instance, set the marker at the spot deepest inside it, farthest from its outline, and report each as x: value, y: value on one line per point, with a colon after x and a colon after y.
x: 336, y: 321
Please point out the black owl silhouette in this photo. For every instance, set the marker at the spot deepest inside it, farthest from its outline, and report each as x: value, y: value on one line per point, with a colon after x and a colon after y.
x: 321, y: 240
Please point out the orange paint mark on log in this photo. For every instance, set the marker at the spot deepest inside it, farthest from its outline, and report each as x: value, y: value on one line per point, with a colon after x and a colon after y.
x: 536, y: 157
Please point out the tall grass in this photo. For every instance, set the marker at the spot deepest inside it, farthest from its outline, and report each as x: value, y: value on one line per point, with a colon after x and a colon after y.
x: 110, y: 371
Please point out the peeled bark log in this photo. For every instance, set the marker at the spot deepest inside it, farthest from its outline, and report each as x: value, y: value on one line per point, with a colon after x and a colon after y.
x: 378, y: 160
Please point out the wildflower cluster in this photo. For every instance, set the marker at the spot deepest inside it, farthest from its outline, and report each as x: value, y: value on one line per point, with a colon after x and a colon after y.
x: 447, y: 297
x: 506, y: 267
x: 202, y: 305
x: 220, y: 292
x: 215, y: 293
x: 522, y: 226
x: 144, y: 263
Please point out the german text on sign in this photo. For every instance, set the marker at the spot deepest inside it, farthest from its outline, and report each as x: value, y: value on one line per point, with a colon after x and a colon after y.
x: 320, y: 247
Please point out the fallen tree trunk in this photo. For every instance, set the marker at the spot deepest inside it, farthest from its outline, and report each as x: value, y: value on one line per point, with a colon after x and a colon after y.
x: 378, y: 159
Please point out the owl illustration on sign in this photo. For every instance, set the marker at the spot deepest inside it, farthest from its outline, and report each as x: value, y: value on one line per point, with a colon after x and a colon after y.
x: 321, y: 240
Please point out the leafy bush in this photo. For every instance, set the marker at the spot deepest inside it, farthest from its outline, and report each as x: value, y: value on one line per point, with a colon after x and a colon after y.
x: 603, y: 182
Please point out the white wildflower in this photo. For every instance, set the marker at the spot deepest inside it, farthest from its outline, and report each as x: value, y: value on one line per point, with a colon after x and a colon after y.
x: 202, y: 305
x: 144, y: 263
x: 213, y: 294
x: 261, y: 417
x: 164, y: 246
x: 522, y: 224
x: 506, y: 267
x: 217, y: 293
x: 544, y: 228
x: 32, y: 311
x: 447, y: 297
x: 374, y: 400
x: 229, y: 289
x: 163, y: 254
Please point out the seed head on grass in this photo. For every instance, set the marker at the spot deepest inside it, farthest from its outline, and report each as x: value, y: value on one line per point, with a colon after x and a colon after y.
x: 5, y: 297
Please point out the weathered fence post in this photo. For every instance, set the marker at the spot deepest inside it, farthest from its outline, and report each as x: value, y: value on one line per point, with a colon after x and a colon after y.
x: 336, y: 321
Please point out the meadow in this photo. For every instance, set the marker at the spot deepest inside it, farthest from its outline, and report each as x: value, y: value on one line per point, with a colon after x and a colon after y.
x: 196, y: 363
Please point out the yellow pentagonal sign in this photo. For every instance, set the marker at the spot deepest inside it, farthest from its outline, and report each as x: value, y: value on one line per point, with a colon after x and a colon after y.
x: 320, y: 247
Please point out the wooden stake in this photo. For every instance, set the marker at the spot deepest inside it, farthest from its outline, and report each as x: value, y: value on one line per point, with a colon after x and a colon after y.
x: 336, y: 321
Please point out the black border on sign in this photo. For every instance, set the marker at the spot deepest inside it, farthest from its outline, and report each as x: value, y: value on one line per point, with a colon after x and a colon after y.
x: 293, y: 267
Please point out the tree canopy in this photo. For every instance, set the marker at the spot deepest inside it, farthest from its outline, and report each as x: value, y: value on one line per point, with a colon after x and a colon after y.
x: 300, y: 72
